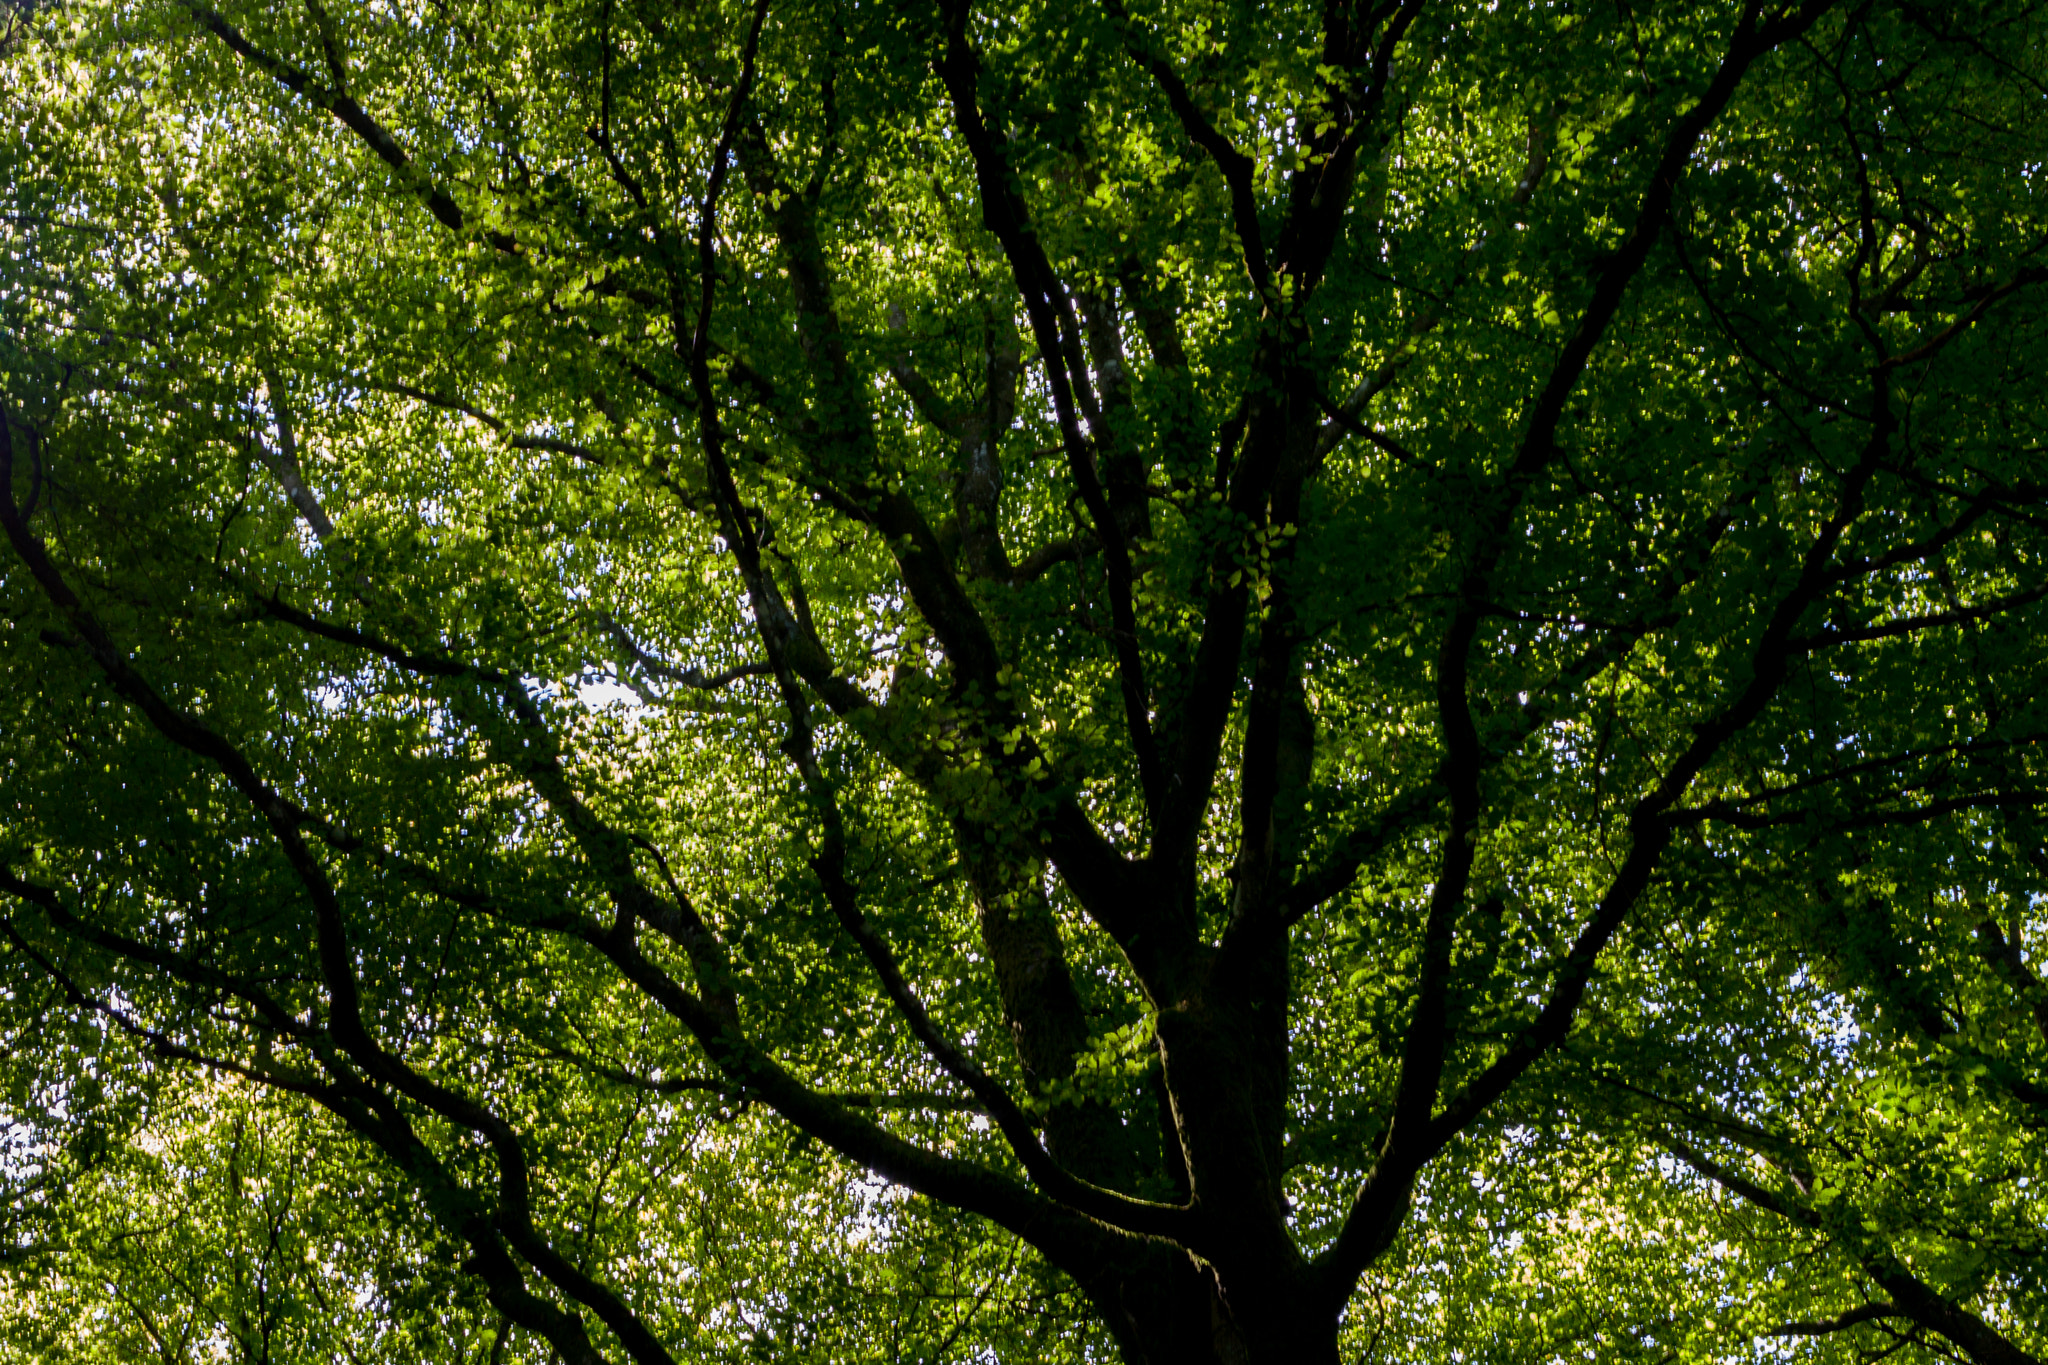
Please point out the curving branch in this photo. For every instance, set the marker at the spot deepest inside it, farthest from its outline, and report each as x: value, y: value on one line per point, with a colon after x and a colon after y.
x: 1071, y: 1239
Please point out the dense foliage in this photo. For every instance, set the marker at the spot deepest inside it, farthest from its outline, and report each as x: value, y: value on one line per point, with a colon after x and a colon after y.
x: 878, y: 680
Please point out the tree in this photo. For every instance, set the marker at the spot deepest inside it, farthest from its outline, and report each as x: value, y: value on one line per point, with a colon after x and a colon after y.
x: 1138, y: 619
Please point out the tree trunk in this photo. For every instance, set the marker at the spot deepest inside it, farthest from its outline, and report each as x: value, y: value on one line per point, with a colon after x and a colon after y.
x: 1170, y: 1310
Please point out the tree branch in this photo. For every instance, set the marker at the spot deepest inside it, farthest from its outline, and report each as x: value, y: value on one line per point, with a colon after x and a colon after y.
x: 1058, y: 332
x: 352, y: 116
x: 1869, y: 1312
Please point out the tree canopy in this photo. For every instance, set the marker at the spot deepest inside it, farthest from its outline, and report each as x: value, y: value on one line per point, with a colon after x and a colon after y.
x: 1162, y: 680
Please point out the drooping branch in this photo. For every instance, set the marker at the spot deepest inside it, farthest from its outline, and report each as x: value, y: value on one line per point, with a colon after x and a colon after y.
x: 348, y: 1095
x: 518, y: 441
x: 688, y: 677
x: 712, y: 1013
x: 1911, y: 1296
x: 156, y: 1040
x: 1067, y: 1238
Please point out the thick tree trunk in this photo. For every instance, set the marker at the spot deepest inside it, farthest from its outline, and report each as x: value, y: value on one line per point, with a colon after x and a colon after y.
x: 1244, y: 1295
x: 1252, y: 1299
x: 1170, y: 1310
